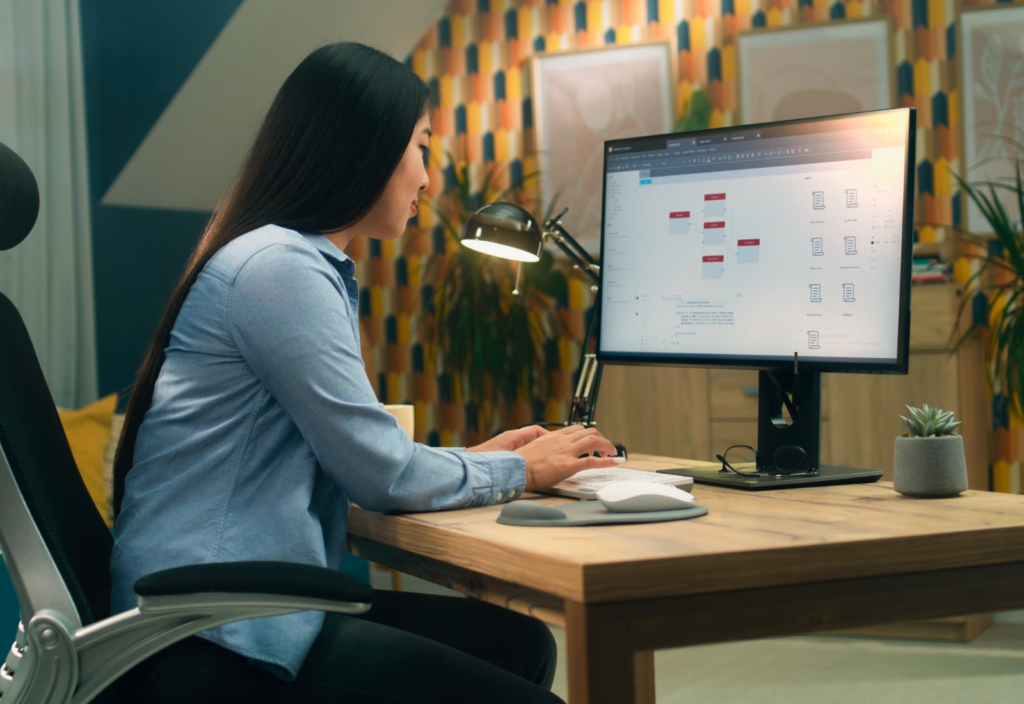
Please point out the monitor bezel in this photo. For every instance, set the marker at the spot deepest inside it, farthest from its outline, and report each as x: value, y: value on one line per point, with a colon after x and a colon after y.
x: 834, y: 365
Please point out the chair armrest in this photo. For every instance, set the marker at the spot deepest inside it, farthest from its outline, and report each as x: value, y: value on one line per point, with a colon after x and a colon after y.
x: 182, y: 601
x: 281, y: 578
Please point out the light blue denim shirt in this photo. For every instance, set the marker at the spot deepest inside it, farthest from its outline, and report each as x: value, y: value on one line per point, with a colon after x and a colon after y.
x: 264, y: 427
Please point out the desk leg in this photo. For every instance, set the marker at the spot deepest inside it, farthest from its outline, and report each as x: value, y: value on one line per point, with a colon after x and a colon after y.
x: 643, y: 676
x: 602, y: 669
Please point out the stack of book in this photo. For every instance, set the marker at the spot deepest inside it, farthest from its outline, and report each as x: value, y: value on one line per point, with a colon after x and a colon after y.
x: 930, y: 269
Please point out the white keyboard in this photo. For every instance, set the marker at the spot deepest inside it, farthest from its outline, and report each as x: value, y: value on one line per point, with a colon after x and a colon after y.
x: 586, y: 484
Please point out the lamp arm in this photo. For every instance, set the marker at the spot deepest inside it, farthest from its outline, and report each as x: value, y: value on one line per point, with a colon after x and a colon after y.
x: 583, y: 253
x: 584, y: 401
x: 554, y: 231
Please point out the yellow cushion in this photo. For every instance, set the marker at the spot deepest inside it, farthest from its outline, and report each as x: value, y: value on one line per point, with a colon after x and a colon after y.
x: 88, y: 431
x: 108, y: 461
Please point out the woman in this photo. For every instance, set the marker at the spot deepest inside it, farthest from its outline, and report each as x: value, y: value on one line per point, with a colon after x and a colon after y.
x: 252, y: 425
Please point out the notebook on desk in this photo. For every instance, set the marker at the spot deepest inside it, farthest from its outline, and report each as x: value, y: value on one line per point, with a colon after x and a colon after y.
x: 585, y: 485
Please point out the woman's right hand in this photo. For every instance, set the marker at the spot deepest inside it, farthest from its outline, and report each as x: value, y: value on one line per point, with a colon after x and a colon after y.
x: 558, y: 455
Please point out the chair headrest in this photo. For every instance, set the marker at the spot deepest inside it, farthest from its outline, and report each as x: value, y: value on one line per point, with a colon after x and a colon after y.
x: 19, y: 199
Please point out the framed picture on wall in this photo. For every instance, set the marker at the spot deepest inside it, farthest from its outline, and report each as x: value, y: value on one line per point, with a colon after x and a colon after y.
x: 992, y: 85
x: 582, y: 98
x: 819, y: 69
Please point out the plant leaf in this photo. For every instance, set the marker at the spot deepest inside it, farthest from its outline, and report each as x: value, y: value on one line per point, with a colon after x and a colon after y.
x: 1001, y: 278
x: 490, y: 342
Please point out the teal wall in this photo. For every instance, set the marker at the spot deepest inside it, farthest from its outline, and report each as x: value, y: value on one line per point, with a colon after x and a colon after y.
x: 8, y: 610
x: 136, y: 56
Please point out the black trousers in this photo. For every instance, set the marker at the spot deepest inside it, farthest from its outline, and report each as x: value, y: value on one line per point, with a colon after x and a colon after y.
x: 409, y: 648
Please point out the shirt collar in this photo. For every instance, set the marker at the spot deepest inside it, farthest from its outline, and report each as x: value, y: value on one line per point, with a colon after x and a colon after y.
x: 331, y: 251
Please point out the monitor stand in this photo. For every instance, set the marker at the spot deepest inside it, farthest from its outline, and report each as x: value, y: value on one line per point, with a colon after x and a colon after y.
x: 800, y: 394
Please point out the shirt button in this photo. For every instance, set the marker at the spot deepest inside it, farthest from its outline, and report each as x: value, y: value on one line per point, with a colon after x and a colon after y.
x: 501, y: 496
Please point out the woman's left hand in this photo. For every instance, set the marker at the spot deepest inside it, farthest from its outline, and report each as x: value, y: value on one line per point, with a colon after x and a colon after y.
x: 510, y: 440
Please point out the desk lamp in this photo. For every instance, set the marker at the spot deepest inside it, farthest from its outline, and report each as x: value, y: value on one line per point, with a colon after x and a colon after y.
x: 509, y: 231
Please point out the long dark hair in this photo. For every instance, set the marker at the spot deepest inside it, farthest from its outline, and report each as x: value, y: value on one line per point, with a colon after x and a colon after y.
x: 327, y: 148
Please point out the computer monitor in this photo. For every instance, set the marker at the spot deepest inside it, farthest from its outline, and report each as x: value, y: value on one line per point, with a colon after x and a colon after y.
x: 784, y: 247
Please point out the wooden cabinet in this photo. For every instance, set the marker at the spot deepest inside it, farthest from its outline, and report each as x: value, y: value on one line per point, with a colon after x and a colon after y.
x: 698, y: 413
x: 656, y: 410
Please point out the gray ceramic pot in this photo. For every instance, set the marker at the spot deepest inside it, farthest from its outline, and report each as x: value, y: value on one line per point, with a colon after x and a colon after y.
x: 930, y: 467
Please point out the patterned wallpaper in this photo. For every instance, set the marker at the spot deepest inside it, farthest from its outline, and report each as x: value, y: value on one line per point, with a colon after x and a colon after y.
x: 475, y: 57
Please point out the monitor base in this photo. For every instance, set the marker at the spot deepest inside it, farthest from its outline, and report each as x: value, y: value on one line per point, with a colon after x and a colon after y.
x: 826, y: 475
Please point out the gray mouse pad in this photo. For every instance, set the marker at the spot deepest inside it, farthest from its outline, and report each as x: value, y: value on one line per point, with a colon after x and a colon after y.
x: 585, y: 513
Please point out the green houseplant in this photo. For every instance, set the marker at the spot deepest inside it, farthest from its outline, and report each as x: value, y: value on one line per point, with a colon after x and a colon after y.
x: 1000, y: 277
x: 698, y: 114
x: 490, y: 342
x: 929, y: 459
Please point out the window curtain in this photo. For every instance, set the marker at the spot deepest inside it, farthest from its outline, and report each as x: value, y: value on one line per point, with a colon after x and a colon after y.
x: 42, y: 118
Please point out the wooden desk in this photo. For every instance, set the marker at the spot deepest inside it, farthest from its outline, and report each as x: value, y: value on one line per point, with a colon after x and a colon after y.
x: 760, y: 564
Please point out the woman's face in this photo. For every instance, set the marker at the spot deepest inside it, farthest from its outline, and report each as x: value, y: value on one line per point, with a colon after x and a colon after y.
x: 400, y: 200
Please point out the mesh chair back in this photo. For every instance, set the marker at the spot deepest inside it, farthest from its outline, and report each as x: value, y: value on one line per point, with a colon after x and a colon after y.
x: 37, y: 451
x: 34, y: 444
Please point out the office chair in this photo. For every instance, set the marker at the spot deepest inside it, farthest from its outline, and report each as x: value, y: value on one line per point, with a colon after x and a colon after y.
x: 68, y: 648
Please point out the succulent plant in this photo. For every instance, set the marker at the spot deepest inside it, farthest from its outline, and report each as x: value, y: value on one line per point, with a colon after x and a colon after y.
x: 928, y: 422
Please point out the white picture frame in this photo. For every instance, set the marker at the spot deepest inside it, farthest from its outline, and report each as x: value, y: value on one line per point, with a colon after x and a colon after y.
x: 583, y: 98
x: 992, y: 90
x: 827, y: 68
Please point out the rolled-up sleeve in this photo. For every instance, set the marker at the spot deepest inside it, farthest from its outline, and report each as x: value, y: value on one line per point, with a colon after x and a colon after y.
x: 290, y: 317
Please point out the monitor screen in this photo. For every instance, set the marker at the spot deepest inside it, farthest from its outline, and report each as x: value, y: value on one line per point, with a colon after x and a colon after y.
x: 743, y: 246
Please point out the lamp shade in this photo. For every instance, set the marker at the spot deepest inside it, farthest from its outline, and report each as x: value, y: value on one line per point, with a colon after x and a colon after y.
x: 504, y: 230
